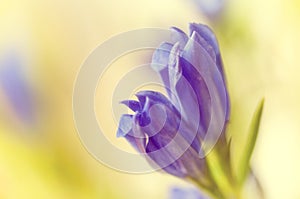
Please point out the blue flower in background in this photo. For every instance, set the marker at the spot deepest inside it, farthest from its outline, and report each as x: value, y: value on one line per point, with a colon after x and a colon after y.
x: 213, y: 9
x: 16, y: 88
x: 174, y: 131
x: 186, y: 193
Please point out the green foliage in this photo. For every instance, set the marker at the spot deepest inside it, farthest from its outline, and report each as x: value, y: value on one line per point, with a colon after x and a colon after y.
x: 244, y: 164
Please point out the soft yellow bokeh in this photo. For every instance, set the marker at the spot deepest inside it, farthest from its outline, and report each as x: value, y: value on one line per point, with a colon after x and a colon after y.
x: 259, y: 41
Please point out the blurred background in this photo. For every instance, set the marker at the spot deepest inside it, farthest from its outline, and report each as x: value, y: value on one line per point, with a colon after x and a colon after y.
x: 44, y: 43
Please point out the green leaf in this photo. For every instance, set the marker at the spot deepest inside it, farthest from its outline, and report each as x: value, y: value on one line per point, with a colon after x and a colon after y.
x: 244, y: 166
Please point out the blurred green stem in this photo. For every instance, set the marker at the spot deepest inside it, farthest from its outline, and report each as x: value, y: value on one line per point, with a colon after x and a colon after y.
x: 251, y: 189
x: 225, y: 186
x: 220, y: 176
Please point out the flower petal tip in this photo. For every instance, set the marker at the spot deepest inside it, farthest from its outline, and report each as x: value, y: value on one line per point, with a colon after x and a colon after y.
x: 125, y: 125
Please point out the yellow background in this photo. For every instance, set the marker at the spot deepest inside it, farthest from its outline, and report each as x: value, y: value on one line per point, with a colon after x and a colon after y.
x: 259, y: 42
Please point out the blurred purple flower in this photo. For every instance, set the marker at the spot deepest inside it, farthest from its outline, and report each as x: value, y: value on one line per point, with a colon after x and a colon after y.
x: 171, y: 131
x: 187, y: 193
x: 16, y: 88
x: 213, y: 9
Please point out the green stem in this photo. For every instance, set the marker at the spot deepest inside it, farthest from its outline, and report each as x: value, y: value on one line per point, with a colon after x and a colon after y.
x: 220, y: 176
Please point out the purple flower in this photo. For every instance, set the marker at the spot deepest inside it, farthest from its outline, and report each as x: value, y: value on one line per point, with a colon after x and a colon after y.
x: 176, y: 131
x: 213, y: 9
x: 16, y: 88
x: 187, y: 193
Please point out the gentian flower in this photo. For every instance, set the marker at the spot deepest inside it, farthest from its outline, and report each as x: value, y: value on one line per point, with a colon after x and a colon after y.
x: 183, y: 133
x: 176, y: 132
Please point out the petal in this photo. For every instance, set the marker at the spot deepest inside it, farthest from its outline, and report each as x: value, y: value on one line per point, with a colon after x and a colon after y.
x: 197, y: 56
x: 135, y: 138
x: 190, y: 94
x: 204, y: 44
x: 183, y: 95
x: 207, y: 34
x: 132, y: 104
x: 142, y: 100
x: 125, y: 125
x: 160, y: 56
x: 160, y: 61
x: 157, y: 97
x: 200, y: 110
x: 178, y: 35
x: 163, y: 159
x: 143, y: 116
